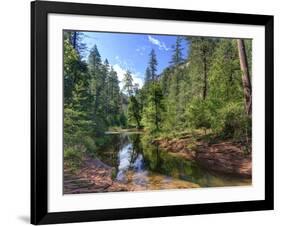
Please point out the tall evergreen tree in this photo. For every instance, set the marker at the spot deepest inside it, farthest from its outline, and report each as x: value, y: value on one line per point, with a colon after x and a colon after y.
x: 152, y: 112
x: 134, y: 112
x: 147, y: 75
x: 202, y: 50
x: 94, y: 59
x: 128, y: 83
x: 177, y: 56
x: 75, y: 38
x: 74, y: 68
x: 153, y: 65
x: 97, y: 83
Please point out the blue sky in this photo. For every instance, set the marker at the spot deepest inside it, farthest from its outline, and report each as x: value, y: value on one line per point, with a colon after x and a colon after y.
x: 131, y: 51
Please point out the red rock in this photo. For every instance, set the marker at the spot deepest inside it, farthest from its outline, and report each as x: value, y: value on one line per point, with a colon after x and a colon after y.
x: 225, y: 158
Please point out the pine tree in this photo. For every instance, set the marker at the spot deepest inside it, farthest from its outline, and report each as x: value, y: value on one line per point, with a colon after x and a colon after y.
x: 153, y: 65
x: 96, y: 89
x: 202, y: 50
x: 74, y: 68
x: 147, y: 75
x: 177, y: 56
x: 75, y: 38
x: 128, y: 83
x: 94, y: 59
x: 134, y: 112
x: 152, y: 112
x: 69, y: 70
x: 114, y: 99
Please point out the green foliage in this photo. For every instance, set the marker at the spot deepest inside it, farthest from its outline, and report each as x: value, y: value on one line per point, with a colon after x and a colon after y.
x: 152, y: 64
x: 72, y: 157
x: 248, y: 46
x: 206, y: 92
x: 123, y: 120
x: 89, y: 144
x: 94, y: 60
x: 153, y: 111
x: 225, y: 75
x: 105, y: 105
x: 92, y: 99
x: 201, y: 57
x: 203, y: 92
x: 75, y: 39
x: 176, y: 98
x: 234, y: 122
x: 70, y: 69
x: 198, y: 114
x: 177, y: 56
x: 134, y: 112
x: 147, y: 75
x: 128, y: 83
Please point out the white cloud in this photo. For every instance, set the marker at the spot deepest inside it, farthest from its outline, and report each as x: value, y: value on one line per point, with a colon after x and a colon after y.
x: 128, y: 64
x: 120, y: 74
x: 154, y: 41
x: 137, y: 79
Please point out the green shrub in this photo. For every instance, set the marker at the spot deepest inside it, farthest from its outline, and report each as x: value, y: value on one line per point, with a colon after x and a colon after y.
x: 227, y: 120
x: 233, y: 122
x: 198, y: 114
x: 72, y: 157
x: 89, y: 144
x: 113, y: 174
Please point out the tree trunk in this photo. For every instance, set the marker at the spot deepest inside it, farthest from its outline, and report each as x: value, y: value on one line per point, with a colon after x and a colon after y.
x: 245, y: 76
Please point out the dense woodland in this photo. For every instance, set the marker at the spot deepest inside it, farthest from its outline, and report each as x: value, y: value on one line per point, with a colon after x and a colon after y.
x: 210, y: 92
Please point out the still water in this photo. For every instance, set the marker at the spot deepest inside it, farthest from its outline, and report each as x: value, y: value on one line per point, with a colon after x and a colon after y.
x: 142, y: 165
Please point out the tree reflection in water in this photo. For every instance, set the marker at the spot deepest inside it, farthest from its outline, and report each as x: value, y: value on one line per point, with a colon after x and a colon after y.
x: 139, y: 163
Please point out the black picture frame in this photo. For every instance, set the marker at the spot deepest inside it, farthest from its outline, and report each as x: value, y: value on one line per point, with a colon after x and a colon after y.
x: 39, y: 112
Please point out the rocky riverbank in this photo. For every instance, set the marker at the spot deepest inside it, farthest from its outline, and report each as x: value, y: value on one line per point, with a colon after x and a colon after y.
x: 95, y: 176
x: 225, y: 157
x: 183, y: 146
x: 222, y: 157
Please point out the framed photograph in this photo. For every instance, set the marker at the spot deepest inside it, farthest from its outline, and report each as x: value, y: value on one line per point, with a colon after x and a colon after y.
x: 144, y: 112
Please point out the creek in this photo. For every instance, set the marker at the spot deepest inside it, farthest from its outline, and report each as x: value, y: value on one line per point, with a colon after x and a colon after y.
x: 141, y: 165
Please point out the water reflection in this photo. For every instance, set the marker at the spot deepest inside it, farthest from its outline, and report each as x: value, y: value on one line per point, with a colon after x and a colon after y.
x: 139, y: 163
x: 125, y: 155
x: 130, y: 158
